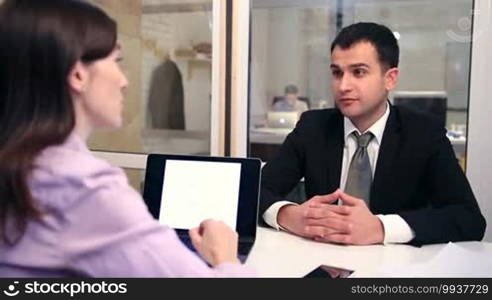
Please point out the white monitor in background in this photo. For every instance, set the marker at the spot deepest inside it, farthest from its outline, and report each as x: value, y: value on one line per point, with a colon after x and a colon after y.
x: 276, y: 119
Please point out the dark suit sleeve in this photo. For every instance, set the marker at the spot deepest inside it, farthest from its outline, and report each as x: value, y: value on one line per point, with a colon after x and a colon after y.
x: 281, y: 174
x: 453, y: 213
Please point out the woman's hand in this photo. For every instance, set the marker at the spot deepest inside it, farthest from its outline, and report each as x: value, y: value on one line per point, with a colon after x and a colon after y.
x: 215, y: 241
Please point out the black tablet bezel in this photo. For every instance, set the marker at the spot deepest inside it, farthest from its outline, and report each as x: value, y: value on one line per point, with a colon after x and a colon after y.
x: 248, y: 188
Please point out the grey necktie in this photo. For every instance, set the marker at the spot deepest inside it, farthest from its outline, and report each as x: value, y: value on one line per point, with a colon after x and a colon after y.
x: 359, y: 176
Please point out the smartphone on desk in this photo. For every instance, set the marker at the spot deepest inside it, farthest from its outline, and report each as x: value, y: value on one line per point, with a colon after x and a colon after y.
x: 324, y: 271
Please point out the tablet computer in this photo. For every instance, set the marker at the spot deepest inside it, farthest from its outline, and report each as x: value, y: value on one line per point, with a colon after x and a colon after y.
x: 183, y: 190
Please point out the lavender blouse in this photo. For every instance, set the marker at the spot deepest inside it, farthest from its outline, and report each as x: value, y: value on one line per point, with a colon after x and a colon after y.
x: 95, y: 225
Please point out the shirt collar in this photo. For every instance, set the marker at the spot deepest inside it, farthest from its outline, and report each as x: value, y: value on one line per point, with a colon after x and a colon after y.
x: 377, y: 129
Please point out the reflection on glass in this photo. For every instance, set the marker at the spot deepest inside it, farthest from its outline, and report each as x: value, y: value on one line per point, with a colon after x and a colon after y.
x: 289, y: 67
x: 167, y: 47
x: 290, y: 44
x: 290, y: 101
x: 166, y: 97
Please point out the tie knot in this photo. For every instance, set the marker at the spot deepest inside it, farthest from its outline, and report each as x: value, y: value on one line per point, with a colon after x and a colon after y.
x: 363, y: 140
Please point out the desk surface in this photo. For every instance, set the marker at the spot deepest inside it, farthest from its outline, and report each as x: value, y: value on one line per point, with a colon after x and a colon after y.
x: 280, y: 254
x: 265, y: 135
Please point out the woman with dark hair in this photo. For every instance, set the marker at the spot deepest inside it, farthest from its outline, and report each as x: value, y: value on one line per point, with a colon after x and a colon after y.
x: 64, y: 212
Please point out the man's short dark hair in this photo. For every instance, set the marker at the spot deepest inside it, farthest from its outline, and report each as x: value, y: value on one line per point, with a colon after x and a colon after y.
x: 380, y: 36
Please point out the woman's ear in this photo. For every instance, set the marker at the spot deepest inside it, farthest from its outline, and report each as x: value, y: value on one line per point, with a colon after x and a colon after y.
x: 78, y: 78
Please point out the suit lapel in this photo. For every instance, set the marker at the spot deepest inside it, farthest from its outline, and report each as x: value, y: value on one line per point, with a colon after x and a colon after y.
x: 335, y: 143
x: 387, y: 153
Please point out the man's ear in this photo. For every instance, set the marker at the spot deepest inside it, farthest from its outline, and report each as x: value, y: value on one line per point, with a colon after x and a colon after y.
x: 391, y: 78
x: 78, y: 78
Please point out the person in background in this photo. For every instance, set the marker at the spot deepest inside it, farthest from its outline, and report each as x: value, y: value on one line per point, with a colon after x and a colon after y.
x: 64, y: 212
x: 290, y: 101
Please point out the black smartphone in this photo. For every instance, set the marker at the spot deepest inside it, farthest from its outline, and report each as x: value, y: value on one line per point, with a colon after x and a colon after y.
x: 324, y: 271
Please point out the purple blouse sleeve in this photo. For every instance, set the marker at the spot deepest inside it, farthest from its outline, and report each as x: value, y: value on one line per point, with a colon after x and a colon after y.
x: 107, y: 231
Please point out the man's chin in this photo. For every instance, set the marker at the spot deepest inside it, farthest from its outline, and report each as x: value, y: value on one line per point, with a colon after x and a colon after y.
x: 349, y: 112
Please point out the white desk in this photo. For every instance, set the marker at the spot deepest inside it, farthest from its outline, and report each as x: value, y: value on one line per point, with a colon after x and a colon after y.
x: 268, y: 135
x: 279, y: 254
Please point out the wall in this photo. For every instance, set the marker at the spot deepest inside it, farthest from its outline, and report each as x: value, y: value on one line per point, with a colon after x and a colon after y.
x: 127, y: 14
x: 479, y: 169
x: 291, y: 44
x: 260, y: 97
x: 150, y: 31
x: 286, y: 52
x: 167, y: 32
x: 424, y: 30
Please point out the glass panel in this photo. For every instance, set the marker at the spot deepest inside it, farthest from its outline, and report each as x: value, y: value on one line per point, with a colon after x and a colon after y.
x: 167, y: 57
x: 290, y: 44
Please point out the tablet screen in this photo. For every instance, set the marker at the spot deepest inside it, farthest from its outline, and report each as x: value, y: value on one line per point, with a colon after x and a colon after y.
x: 193, y: 191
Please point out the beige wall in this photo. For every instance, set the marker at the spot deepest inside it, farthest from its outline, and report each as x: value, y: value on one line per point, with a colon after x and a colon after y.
x: 167, y: 33
x: 426, y: 41
x: 127, y: 14
x: 136, y: 179
x: 150, y: 31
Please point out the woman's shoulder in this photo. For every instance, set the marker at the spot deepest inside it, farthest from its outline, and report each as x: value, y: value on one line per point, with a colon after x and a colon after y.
x: 72, y: 168
x: 63, y: 160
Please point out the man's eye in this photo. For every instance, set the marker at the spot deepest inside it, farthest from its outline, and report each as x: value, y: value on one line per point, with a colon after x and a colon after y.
x: 336, y: 73
x: 359, y: 72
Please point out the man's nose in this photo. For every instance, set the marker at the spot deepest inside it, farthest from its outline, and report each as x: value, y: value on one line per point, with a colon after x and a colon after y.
x: 345, y: 83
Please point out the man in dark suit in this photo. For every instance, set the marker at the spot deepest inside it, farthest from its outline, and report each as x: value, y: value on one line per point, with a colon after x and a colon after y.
x: 374, y: 173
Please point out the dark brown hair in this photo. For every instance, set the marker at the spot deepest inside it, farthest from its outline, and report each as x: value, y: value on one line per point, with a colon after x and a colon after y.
x: 380, y: 36
x: 40, y: 41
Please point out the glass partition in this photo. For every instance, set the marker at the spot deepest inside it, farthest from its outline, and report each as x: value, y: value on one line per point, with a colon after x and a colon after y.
x: 290, y: 51
x: 167, y: 48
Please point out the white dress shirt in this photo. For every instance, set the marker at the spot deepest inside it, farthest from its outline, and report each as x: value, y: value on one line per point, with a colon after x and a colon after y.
x: 396, y: 230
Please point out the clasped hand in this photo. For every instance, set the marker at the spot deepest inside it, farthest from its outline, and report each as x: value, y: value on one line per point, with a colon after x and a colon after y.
x: 322, y: 220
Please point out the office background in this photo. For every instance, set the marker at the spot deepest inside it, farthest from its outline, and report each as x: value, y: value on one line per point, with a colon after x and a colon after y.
x: 231, y: 57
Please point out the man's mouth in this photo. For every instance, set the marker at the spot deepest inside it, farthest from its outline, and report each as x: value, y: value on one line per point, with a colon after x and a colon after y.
x: 347, y: 100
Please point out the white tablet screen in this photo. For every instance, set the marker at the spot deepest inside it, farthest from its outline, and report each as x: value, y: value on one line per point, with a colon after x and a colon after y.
x: 197, y: 190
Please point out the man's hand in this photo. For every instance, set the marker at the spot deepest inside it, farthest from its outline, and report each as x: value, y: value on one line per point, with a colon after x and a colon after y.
x: 293, y: 218
x: 352, y: 223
